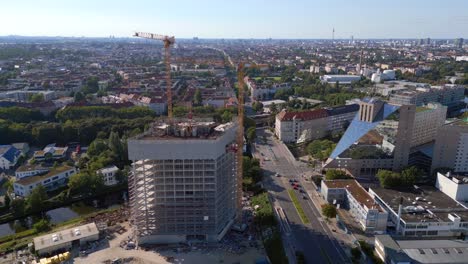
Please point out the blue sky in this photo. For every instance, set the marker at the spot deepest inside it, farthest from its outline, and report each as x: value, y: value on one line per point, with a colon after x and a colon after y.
x: 237, y: 18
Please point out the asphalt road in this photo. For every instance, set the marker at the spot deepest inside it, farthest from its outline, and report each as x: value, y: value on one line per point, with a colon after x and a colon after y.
x: 314, y: 239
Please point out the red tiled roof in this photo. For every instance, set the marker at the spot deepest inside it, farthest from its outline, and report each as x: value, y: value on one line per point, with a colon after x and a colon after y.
x: 305, y: 115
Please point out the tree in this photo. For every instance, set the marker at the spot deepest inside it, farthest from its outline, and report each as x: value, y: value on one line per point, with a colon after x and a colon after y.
x: 18, y: 207
x: 273, y: 108
x: 85, y: 182
x: 389, y: 179
x: 411, y: 175
x: 197, y: 98
x: 7, y: 201
x: 257, y: 106
x: 36, y: 199
x: 97, y: 147
x: 336, y: 175
x: 79, y: 97
x: 226, y: 116
x: 91, y: 86
x: 115, y: 144
x: 320, y: 149
x: 36, y: 98
x: 329, y: 211
x: 251, y: 134
x: 42, y: 226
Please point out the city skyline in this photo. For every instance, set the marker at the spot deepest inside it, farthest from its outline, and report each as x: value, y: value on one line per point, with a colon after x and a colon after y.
x: 257, y: 19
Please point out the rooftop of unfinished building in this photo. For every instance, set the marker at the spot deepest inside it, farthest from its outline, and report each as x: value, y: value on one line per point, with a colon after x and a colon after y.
x: 185, y: 129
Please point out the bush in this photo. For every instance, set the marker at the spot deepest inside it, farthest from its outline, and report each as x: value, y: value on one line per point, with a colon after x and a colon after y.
x: 42, y: 226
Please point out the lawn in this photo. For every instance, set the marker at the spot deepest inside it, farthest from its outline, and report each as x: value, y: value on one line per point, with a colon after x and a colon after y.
x: 300, y: 211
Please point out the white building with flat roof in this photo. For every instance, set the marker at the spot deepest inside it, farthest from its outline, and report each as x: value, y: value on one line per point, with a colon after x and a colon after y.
x: 63, y: 240
x: 454, y: 185
x: 342, y: 79
x: 350, y: 194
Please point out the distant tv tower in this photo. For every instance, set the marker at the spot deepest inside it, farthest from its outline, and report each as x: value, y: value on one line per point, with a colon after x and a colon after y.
x: 333, y: 34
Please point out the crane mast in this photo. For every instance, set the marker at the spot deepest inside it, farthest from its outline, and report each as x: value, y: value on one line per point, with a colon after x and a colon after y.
x: 168, y: 42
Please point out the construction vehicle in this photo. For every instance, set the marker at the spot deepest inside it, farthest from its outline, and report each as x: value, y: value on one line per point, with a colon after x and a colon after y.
x: 168, y: 42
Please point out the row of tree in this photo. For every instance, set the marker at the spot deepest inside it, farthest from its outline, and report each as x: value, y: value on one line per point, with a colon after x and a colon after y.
x: 78, y: 112
x: 83, y: 130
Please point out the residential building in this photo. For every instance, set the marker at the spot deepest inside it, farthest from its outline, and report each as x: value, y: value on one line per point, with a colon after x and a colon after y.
x: 22, y: 146
x: 108, y: 175
x: 308, y: 125
x: 422, y: 211
x: 290, y: 126
x: 64, y: 240
x: 450, y: 95
x: 9, y: 156
x: 351, y: 195
x: 51, y: 180
x: 50, y: 152
x: 25, y: 95
x: 340, y: 117
x: 392, y: 251
x: 342, y: 79
x: 29, y: 170
x: 183, y: 186
x: 264, y: 92
x: 451, y: 147
x: 454, y: 185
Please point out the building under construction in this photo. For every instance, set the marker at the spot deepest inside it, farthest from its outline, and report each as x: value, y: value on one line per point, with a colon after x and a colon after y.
x: 183, y: 186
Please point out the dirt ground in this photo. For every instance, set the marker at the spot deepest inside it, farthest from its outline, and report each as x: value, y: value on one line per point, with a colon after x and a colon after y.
x: 114, y: 251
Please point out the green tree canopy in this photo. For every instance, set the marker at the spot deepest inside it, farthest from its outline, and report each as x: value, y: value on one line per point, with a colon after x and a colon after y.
x: 36, y: 199
x: 251, y: 134
x: 36, y: 98
x: 336, y: 175
x: 329, y: 211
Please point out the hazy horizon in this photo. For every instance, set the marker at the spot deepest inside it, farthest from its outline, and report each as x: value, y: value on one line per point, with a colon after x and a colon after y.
x: 210, y: 19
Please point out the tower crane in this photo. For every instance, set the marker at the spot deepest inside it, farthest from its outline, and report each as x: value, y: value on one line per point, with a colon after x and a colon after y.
x: 168, y: 42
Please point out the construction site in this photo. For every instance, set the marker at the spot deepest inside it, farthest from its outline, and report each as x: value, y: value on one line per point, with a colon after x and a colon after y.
x: 183, y: 187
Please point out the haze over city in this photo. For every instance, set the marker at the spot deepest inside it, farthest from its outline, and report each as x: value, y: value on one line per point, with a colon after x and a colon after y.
x: 250, y: 132
x: 296, y: 19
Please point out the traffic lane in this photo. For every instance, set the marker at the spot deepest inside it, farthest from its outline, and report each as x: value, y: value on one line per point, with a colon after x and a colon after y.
x: 310, y: 241
x: 285, y: 164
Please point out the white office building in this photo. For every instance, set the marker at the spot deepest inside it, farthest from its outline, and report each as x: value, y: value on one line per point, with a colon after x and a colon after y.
x: 350, y: 194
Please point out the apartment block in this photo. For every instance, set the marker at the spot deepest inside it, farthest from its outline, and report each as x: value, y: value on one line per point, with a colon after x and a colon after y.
x: 302, y: 126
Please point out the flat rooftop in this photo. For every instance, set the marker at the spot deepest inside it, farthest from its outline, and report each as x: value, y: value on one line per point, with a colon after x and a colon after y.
x: 356, y: 190
x: 65, y: 236
x: 185, y: 129
x: 424, y: 203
